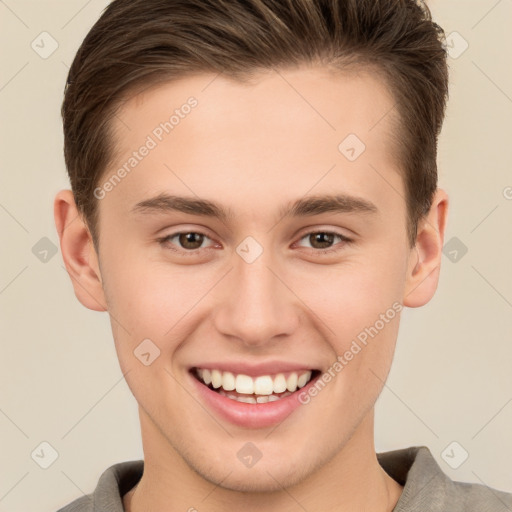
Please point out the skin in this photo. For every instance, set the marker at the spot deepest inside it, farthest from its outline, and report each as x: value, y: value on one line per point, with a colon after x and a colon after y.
x: 253, y: 148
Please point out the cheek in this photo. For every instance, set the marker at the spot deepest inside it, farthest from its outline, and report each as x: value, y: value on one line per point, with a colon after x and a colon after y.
x: 360, y: 302
x: 353, y: 295
x: 151, y: 297
x: 148, y: 307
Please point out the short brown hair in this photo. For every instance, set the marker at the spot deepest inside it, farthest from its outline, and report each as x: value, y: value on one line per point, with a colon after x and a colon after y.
x: 138, y: 43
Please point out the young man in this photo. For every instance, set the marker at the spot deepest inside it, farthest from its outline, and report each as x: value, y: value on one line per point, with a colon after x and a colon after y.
x: 254, y: 201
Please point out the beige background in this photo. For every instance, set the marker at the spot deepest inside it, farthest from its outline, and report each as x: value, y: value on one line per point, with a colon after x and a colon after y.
x: 59, y: 377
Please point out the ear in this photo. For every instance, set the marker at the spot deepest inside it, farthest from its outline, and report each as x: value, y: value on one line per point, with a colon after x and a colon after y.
x: 425, y: 258
x: 78, y: 252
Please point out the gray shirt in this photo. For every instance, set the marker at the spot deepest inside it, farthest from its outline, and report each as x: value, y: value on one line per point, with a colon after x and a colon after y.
x: 426, y: 487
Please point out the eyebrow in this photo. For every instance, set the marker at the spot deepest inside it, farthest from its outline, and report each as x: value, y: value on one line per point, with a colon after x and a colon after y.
x: 303, y: 207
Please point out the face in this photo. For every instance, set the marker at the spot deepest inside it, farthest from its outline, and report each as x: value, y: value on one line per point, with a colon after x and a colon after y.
x: 244, y: 279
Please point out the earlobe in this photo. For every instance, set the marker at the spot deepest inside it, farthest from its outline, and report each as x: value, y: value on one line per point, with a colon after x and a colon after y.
x: 425, y: 262
x: 78, y: 252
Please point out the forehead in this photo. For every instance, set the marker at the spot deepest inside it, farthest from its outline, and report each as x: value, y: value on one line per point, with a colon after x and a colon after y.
x: 321, y: 98
x: 289, y: 130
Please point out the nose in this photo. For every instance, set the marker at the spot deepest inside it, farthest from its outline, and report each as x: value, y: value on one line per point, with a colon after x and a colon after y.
x: 257, y: 306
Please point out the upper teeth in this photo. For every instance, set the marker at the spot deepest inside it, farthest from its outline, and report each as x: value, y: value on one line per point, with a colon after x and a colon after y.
x: 262, y: 385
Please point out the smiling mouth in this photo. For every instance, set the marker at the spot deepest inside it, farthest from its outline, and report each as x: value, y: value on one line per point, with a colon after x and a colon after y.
x: 254, y: 390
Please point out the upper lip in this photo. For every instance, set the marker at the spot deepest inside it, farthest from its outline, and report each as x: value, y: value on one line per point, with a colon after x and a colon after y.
x: 256, y: 369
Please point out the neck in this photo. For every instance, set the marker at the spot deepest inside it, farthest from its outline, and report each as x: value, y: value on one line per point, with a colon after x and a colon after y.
x: 351, y: 480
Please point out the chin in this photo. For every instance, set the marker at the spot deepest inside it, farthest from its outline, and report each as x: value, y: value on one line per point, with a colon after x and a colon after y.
x: 259, y: 483
x: 260, y: 479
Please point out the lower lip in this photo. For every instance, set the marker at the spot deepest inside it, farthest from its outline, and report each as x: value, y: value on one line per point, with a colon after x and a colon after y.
x: 250, y: 415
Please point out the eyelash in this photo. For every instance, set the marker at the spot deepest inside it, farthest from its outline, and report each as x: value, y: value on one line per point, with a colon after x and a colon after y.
x: 193, y: 252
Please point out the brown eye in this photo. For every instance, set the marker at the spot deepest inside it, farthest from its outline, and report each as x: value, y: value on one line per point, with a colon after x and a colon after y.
x: 190, y: 240
x: 185, y: 242
x: 321, y: 240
